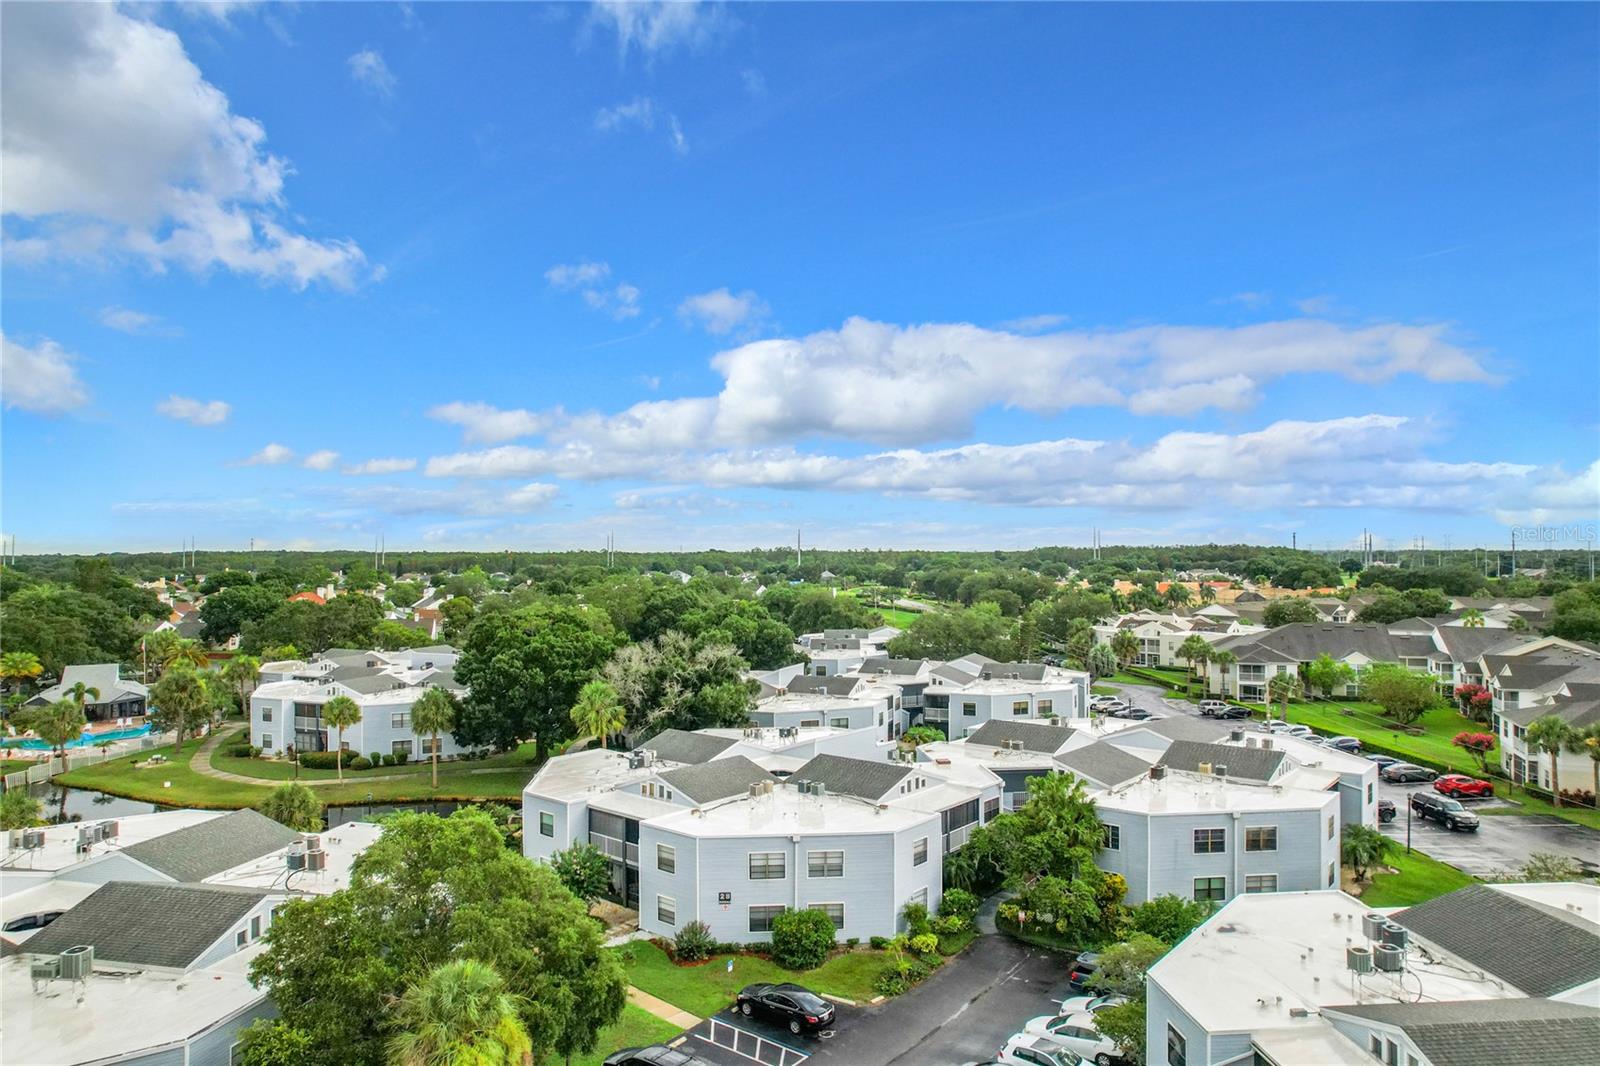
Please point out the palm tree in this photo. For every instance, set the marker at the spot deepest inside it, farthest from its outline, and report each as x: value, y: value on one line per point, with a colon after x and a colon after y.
x: 83, y: 694
x: 179, y: 702
x: 1281, y: 689
x: 1194, y: 650
x: 1222, y: 658
x: 57, y: 724
x: 1125, y: 646
x: 1586, y: 741
x: 1472, y: 618
x: 1550, y: 735
x: 1208, y: 595
x: 242, y: 672
x: 459, y: 1014
x: 432, y: 714
x: 341, y: 712
x: 1178, y: 595
x: 1362, y: 847
x: 184, y: 653
x: 19, y: 666
x: 598, y: 712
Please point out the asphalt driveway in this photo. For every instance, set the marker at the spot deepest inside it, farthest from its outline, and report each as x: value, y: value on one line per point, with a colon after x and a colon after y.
x: 1502, y: 842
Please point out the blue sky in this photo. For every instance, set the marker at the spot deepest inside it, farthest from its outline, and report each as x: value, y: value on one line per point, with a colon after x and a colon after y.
x: 902, y: 275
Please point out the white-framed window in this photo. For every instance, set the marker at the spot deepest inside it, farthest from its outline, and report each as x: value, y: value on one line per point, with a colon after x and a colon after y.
x: 1210, y: 841
x: 1375, y: 1045
x: 234, y: 1056
x: 1211, y: 888
x: 666, y: 858
x: 666, y: 910
x: 1261, y: 838
x: 1254, y: 883
x: 822, y: 671
x: 400, y: 747
x: 400, y: 720
x: 432, y: 746
x: 266, y: 742
x: 255, y: 927
x: 547, y: 824
x: 810, y: 723
x: 825, y: 864
x: 1177, y: 1048
x: 839, y: 723
x: 266, y: 713
x: 920, y: 897
x: 1371, y: 791
x: 761, y: 917
x: 1111, y: 837
x: 1019, y: 707
x: 919, y: 851
x: 1333, y: 874
x: 767, y: 866
x: 969, y: 710
x: 1331, y: 820
x: 240, y: 939
x: 834, y: 911
x: 1047, y: 707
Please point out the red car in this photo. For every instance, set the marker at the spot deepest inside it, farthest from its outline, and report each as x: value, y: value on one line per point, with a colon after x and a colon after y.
x: 1462, y: 785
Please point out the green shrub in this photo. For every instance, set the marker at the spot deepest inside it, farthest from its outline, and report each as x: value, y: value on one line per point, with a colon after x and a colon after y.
x: 897, y: 977
x: 375, y: 759
x: 916, y: 916
x: 361, y: 762
x: 693, y: 942
x: 925, y: 944
x: 801, y: 940
x: 877, y: 943
x: 401, y: 758
x: 853, y: 943
x: 950, y: 925
x: 959, y: 903
x: 319, y: 760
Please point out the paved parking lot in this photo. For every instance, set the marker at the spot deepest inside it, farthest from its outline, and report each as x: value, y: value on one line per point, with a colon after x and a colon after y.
x: 1502, y: 842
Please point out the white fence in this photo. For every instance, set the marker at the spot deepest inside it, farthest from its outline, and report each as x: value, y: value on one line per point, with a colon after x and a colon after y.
x: 44, y: 771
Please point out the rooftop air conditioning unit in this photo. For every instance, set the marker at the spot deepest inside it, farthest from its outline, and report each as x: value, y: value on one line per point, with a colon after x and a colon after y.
x: 1388, y: 958
x: 818, y: 789
x: 1157, y: 772
x: 1250, y: 742
x: 45, y: 969
x: 77, y: 962
x: 313, y: 841
x: 1395, y: 935
x: 1220, y: 769
x: 1236, y: 735
x: 1266, y: 742
x: 316, y: 860
x: 1372, y: 925
x: 1204, y: 768
x: 109, y: 830
x: 32, y: 839
x: 295, y: 859
x: 1358, y: 959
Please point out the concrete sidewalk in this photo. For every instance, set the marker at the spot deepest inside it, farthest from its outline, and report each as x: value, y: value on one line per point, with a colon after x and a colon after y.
x: 661, y: 1009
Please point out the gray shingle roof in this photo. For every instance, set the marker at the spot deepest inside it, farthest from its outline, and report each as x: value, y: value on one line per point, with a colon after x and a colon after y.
x: 833, y: 686
x: 882, y: 664
x: 1251, y: 764
x: 852, y: 777
x: 207, y: 849
x: 1183, y: 727
x: 1035, y: 736
x: 373, y: 684
x: 717, y: 779
x: 146, y: 924
x: 1102, y: 764
x: 1529, y: 1032
x: 678, y: 745
x: 1541, y: 950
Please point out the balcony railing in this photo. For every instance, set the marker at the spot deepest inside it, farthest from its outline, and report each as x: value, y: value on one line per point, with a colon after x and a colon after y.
x: 308, y: 723
x: 957, y: 838
x: 616, y: 849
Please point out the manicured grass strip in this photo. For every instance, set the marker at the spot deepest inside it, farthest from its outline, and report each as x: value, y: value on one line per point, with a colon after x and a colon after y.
x: 636, y: 1028
x: 1104, y: 690
x: 283, y: 770
x: 1416, y: 878
x: 11, y: 766
x: 894, y: 616
x: 1535, y: 805
x: 706, y: 988
x: 1376, y: 733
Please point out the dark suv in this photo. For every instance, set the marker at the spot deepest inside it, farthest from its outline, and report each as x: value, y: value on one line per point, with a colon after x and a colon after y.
x: 1083, y: 968
x: 1447, y: 812
x: 799, y: 1008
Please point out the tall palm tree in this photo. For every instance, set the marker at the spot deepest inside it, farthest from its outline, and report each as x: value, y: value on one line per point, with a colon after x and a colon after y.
x: 57, y: 724
x: 1194, y: 650
x: 179, y: 702
x: 459, y: 1014
x: 1550, y: 735
x: 432, y: 714
x: 83, y: 694
x: 1281, y: 689
x: 1472, y: 618
x: 184, y: 653
x: 341, y: 712
x: 19, y: 666
x: 1208, y: 595
x: 1586, y: 741
x: 1222, y: 658
x: 1362, y: 847
x: 1125, y: 646
x: 242, y: 672
x: 598, y: 712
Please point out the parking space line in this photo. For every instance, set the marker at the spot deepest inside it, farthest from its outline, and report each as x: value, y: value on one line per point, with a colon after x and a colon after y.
x: 752, y: 1046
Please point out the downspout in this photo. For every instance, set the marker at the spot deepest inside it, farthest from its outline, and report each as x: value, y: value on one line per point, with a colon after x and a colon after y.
x: 1238, y: 854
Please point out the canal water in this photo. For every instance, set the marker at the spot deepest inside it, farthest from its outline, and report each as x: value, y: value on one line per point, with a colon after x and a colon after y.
x: 62, y: 804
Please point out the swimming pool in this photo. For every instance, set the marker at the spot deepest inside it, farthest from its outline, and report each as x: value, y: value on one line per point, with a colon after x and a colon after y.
x: 85, y: 741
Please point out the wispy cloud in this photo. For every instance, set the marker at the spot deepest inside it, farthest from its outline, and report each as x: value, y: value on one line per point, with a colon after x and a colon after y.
x: 271, y: 455
x: 721, y: 312
x: 195, y: 412
x: 657, y: 27
x: 126, y: 320
x: 1033, y: 323
x: 322, y: 460
x: 368, y: 69
x: 642, y: 113
x: 591, y: 280
x: 381, y: 466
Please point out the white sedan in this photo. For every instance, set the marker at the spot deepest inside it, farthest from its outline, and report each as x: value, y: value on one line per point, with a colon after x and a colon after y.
x: 1077, y: 1033
x: 1026, y: 1050
x: 1086, y: 1005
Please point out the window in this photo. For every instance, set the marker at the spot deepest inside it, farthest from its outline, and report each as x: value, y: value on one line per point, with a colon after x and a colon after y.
x: 761, y: 918
x: 1177, y: 1048
x: 825, y: 863
x: 1371, y: 788
x: 1261, y: 838
x: 239, y: 939
x: 1333, y: 874
x: 969, y: 710
x: 401, y: 747
x: 1210, y: 841
x: 1254, y: 883
x: 991, y: 807
x: 266, y: 741
x: 812, y: 723
x: 666, y: 910
x: 1019, y: 707
x: 1375, y: 1045
x: 666, y: 858
x: 400, y: 720
x: 920, y: 896
x: 1330, y: 826
x: 255, y: 928
x: 766, y: 866
x: 839, y: 723
x: 432, y: 746
x: 1047, y: 707
x: 266, y: 714
x: 547, y: 824
x: 834, y: 911
x: 1210, y: 888
x: 1111, y: 837
x: 822, y: 671
x: 919, y: 851
x: 1392, y: 1053
x: 234, y: 1057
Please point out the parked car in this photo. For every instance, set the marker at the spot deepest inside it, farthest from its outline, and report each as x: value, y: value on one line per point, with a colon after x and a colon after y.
x: 1382, y: 760
x: 1346, y: 744
x: 1111, y: 706
x: 1387, y: 811
x: 1462, y: 785
x: 795, y: 1006
x: 1088, y: 1004
x: 1025, y: 1050
x: 1132, y: 714
x: 1212, y: 708
x: 1447, y: 812
x: 1289, y: 728
x: 654, y: 1055
x: 1234, y: 711
x: 1083, y: 967
x: 1077, y: 1033
x: 1402, y: 772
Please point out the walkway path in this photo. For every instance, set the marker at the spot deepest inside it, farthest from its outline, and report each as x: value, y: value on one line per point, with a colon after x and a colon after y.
x: 661, y: 1008
x: 200, y: 763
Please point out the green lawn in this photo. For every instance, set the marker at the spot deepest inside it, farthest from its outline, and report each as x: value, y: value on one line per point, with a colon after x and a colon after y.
x: 1416, y: 878
x: 1366, y: 722
x: 636, y: 1028
x: 457, y: 781
x: 282, y: 770
x: 11, y: 766
x: 894, y: 616
x: 1526, y: 804
x: 709, y: 987
x: 1104, y: 690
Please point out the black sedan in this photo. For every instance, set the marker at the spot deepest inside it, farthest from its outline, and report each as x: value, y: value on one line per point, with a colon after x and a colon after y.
x: 1405, y: 771
x: 654, y: 1055
x: 801, y: 1009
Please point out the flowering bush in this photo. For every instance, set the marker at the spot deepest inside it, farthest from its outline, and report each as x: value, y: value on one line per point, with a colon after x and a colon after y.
x: 1478, y: 744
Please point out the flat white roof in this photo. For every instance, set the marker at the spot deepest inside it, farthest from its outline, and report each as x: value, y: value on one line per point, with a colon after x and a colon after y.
x: 767, y: 737
x: 786, y: 811
x: 52, y: 895
x: 1311, y: 754
x: 1311, y: 1039
x: 1185, y: 793
x: 962, y: 753
x: 588, y: 772
x: 1261, y: 956
x: 343, y: 845
x: 1578, y: 899
x: 125, y: 1013
x: 61, y: 841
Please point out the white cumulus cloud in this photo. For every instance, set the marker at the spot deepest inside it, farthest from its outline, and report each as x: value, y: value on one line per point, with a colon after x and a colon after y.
x: 271, y: 455
x: 368, y: 70
x: 381, y: 466
x: 321, y: 460
x: 43, y: 379
x: 484, y: 423
x: 195, y: 412
x: 720, y: 312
